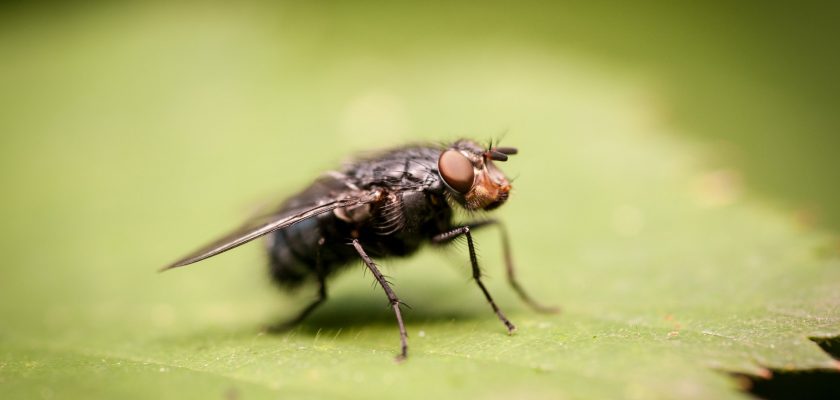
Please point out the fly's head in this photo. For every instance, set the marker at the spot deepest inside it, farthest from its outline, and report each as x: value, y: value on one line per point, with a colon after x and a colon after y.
x: 470, y: 176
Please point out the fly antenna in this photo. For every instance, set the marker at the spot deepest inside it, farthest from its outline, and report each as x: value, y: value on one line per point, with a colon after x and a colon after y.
x: 496, y: 155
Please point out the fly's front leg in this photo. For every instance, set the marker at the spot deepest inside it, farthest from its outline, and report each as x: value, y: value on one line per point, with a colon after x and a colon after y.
x: 476, y: 271
x: 509, y: 266
x: 392, y: 297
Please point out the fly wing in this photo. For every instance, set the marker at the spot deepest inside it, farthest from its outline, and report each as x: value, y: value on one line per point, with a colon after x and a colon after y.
x: 270, y: 224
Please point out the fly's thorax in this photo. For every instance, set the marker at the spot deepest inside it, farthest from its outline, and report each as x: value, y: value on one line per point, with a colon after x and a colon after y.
x: 355, y: 214
x: 407, y: 168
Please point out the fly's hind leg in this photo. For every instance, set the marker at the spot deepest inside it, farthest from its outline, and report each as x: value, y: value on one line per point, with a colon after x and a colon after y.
x: 322, y: 296
x: 392, y: 297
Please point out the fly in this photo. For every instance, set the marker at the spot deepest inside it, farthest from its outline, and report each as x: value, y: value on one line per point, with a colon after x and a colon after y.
x: 388, y: 205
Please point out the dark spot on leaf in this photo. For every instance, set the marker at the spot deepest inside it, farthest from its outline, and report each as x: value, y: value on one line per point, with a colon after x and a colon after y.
x: 800, y: 384
x: 830, y: 345
x: 797, y: 384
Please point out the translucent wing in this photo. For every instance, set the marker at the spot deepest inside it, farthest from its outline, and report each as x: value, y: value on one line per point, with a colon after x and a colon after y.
x: 270, y: 224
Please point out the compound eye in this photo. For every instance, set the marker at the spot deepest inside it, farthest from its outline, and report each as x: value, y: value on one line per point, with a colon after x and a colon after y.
x: 456, y: 170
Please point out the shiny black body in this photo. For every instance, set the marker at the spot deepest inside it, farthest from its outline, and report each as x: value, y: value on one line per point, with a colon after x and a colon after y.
x: 387, y: 205
x: 413, y: 209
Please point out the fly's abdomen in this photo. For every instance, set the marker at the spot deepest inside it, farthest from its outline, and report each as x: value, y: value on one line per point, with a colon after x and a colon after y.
x: 293, y: 252
x: 304, y: 250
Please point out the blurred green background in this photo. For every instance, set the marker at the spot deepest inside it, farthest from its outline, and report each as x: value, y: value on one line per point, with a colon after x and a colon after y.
x: 133, y: 132
x: 756, y: 83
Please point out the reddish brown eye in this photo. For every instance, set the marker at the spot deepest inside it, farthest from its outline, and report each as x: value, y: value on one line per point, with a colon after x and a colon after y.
x: 456, y: 170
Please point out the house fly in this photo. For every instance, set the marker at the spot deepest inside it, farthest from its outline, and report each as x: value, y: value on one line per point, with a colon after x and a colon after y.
x: 387, y: 205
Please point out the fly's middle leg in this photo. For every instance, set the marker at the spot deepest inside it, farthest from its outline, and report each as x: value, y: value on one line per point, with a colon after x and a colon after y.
x: 476, y: 271
x: 392, y: 297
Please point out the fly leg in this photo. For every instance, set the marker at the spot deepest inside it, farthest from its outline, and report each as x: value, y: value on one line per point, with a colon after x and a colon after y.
x: 392, y: 297
x: 511, y: 271
x: 322, y: 295
x: 476, y: 271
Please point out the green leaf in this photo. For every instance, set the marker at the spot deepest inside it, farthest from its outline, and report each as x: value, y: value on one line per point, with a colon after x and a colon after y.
x: 154, y: 133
